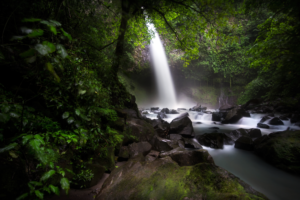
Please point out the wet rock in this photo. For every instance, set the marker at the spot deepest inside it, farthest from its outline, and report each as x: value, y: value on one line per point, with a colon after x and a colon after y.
x: 251, y: 103
x: 281, y: 149
x: 162, y: 145
x: 162, y: 128
x: 154, y: 108
x: 174, y: 112
x: 145, y: 113
x: 182, y: 125
x: 234, y: 115
x: 152, y: 155
x: 214, y: 140
x: 198, y: 122
x: 218, y: 116
x: 188, y: 158
x: 284, y: 118
x: 165, y: 110
x: 175, y: 137
x: 252, y: 133
x: 140, y: 148
x: 276, y: 121
x: 295, y: 118
x: 191, y: 143
x: 181, y: 109
x: 207, y: 112
x: 244, y: 143
x: 161, y: 115
x: 265, y: 118
x: 261, y: 125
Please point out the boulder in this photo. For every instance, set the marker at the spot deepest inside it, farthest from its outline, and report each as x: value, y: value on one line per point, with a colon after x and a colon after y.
x: 191, y: 143
x: 161, y: 115
x: 261, y: 125
x: 281, y: 149
x: 175, y: 137
x: 251, y: 103
x: 234, y: 115
x: 162, y: 145
x: 276, y: 121
x: 162, y: 128
x: 154, y: 109
x: 218, y: 116
x: 140, y: 148
x: 214, y: 140
x: 163, y: 178
x: 165, y: 110
x: 182, y: 125
x: 188, y: 158
x: 140, y: 129
x: 265, y: 118
x: 173, y: 112
x: 181, y: 109
x: 284, y: 118
x: 245, y: 143
x: 295, y: 118
x: 252, y: 133
x: 151, y: 156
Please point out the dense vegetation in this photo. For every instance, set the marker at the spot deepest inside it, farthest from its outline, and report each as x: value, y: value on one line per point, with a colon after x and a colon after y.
x: 59, y: 84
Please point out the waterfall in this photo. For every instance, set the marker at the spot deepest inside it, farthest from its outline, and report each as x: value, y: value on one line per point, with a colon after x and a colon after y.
x: 164, y: 82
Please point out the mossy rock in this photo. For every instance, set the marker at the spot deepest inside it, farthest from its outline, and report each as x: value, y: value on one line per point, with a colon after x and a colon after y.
x: 165, y: 179
x: 281, y: 149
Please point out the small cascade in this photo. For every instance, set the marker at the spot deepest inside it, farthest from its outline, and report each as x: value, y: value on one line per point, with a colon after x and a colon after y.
x: 167, y: 96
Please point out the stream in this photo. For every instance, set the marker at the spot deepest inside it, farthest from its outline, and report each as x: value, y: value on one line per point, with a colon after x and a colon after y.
x: 263, y: 177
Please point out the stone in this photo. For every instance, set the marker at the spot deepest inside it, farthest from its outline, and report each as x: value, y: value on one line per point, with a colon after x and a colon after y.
x: 218, y: 116
x: 188, y: 158
x: 173, y: 112
x: 182, y: 125
x: 165, y: 110
x: 191, y: 143
x: 295, y: 118
x: 162, y: 144
x: 152, y: 155
x: 261, y: 125
x: 161, y: 115
x: 281, y: 149
x: 163, y: 178
x: 154, y: 109
x: 253, y: 133
x: 265, y: 118
x: 175, y: 137
x: 234, y: 115
x: 276, y: 121
x: 245, y: 143
x: 140, y: 148
x: 226, y: 107
x: 214, y: 140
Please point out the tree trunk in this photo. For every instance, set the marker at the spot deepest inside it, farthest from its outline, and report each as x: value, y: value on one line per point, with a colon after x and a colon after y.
x: 120, y: 43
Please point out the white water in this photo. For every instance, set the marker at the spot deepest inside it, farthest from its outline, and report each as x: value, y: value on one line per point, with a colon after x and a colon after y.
x: 164, y: 82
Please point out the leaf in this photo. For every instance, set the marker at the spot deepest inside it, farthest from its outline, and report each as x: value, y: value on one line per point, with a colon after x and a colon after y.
x: 66, y: 34
x: 68, y: 141
x: 81, y: 92
x: 54, y: 189
x: 47, y: 175
x: 2, y: 56
x: 26, y: 138
x: 14, y: 115
x: 35, y: 144
x: 77, y: 111
x: 28, y: 53
x: 65, y: 185
x: 23, y: 196
x: 51, y: 164
x: 4, y: 117
x: 53, y: 30
x: 8, y: 147
x: 51, y: 23
x: 31, y: 20
x: 42, y: 49
x: 31, y: 59
x: 61, y: 50
x: 39, y: 138
x: 65, y: 115
x: 70, y: 120
x: 50, y: 68
x: 56, y: 23
x: 13, y: 154
x: 36, y: 33
x: 50, y: 45
x: 39, y: 194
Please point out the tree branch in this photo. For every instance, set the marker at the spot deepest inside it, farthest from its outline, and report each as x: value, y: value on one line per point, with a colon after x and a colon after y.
x: 101, y: 48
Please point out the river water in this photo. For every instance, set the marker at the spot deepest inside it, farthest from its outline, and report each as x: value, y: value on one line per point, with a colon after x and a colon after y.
x: 263, y: 177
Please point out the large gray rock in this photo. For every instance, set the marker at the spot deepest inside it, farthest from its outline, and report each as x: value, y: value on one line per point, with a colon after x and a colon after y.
x: 191, y: 143
x: 253, y: 133
x: 182, y: 125
x: 162, y: 144
x: 163, y: 178
x: 261, y: 125
x: 152, y: 155
x: 218, y: 116
x: 140, y: 148
x: 214, y: 140
x: 234, y: 115
x: 245, y: 143
x: 276, y: 121
x: 188, y: 158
